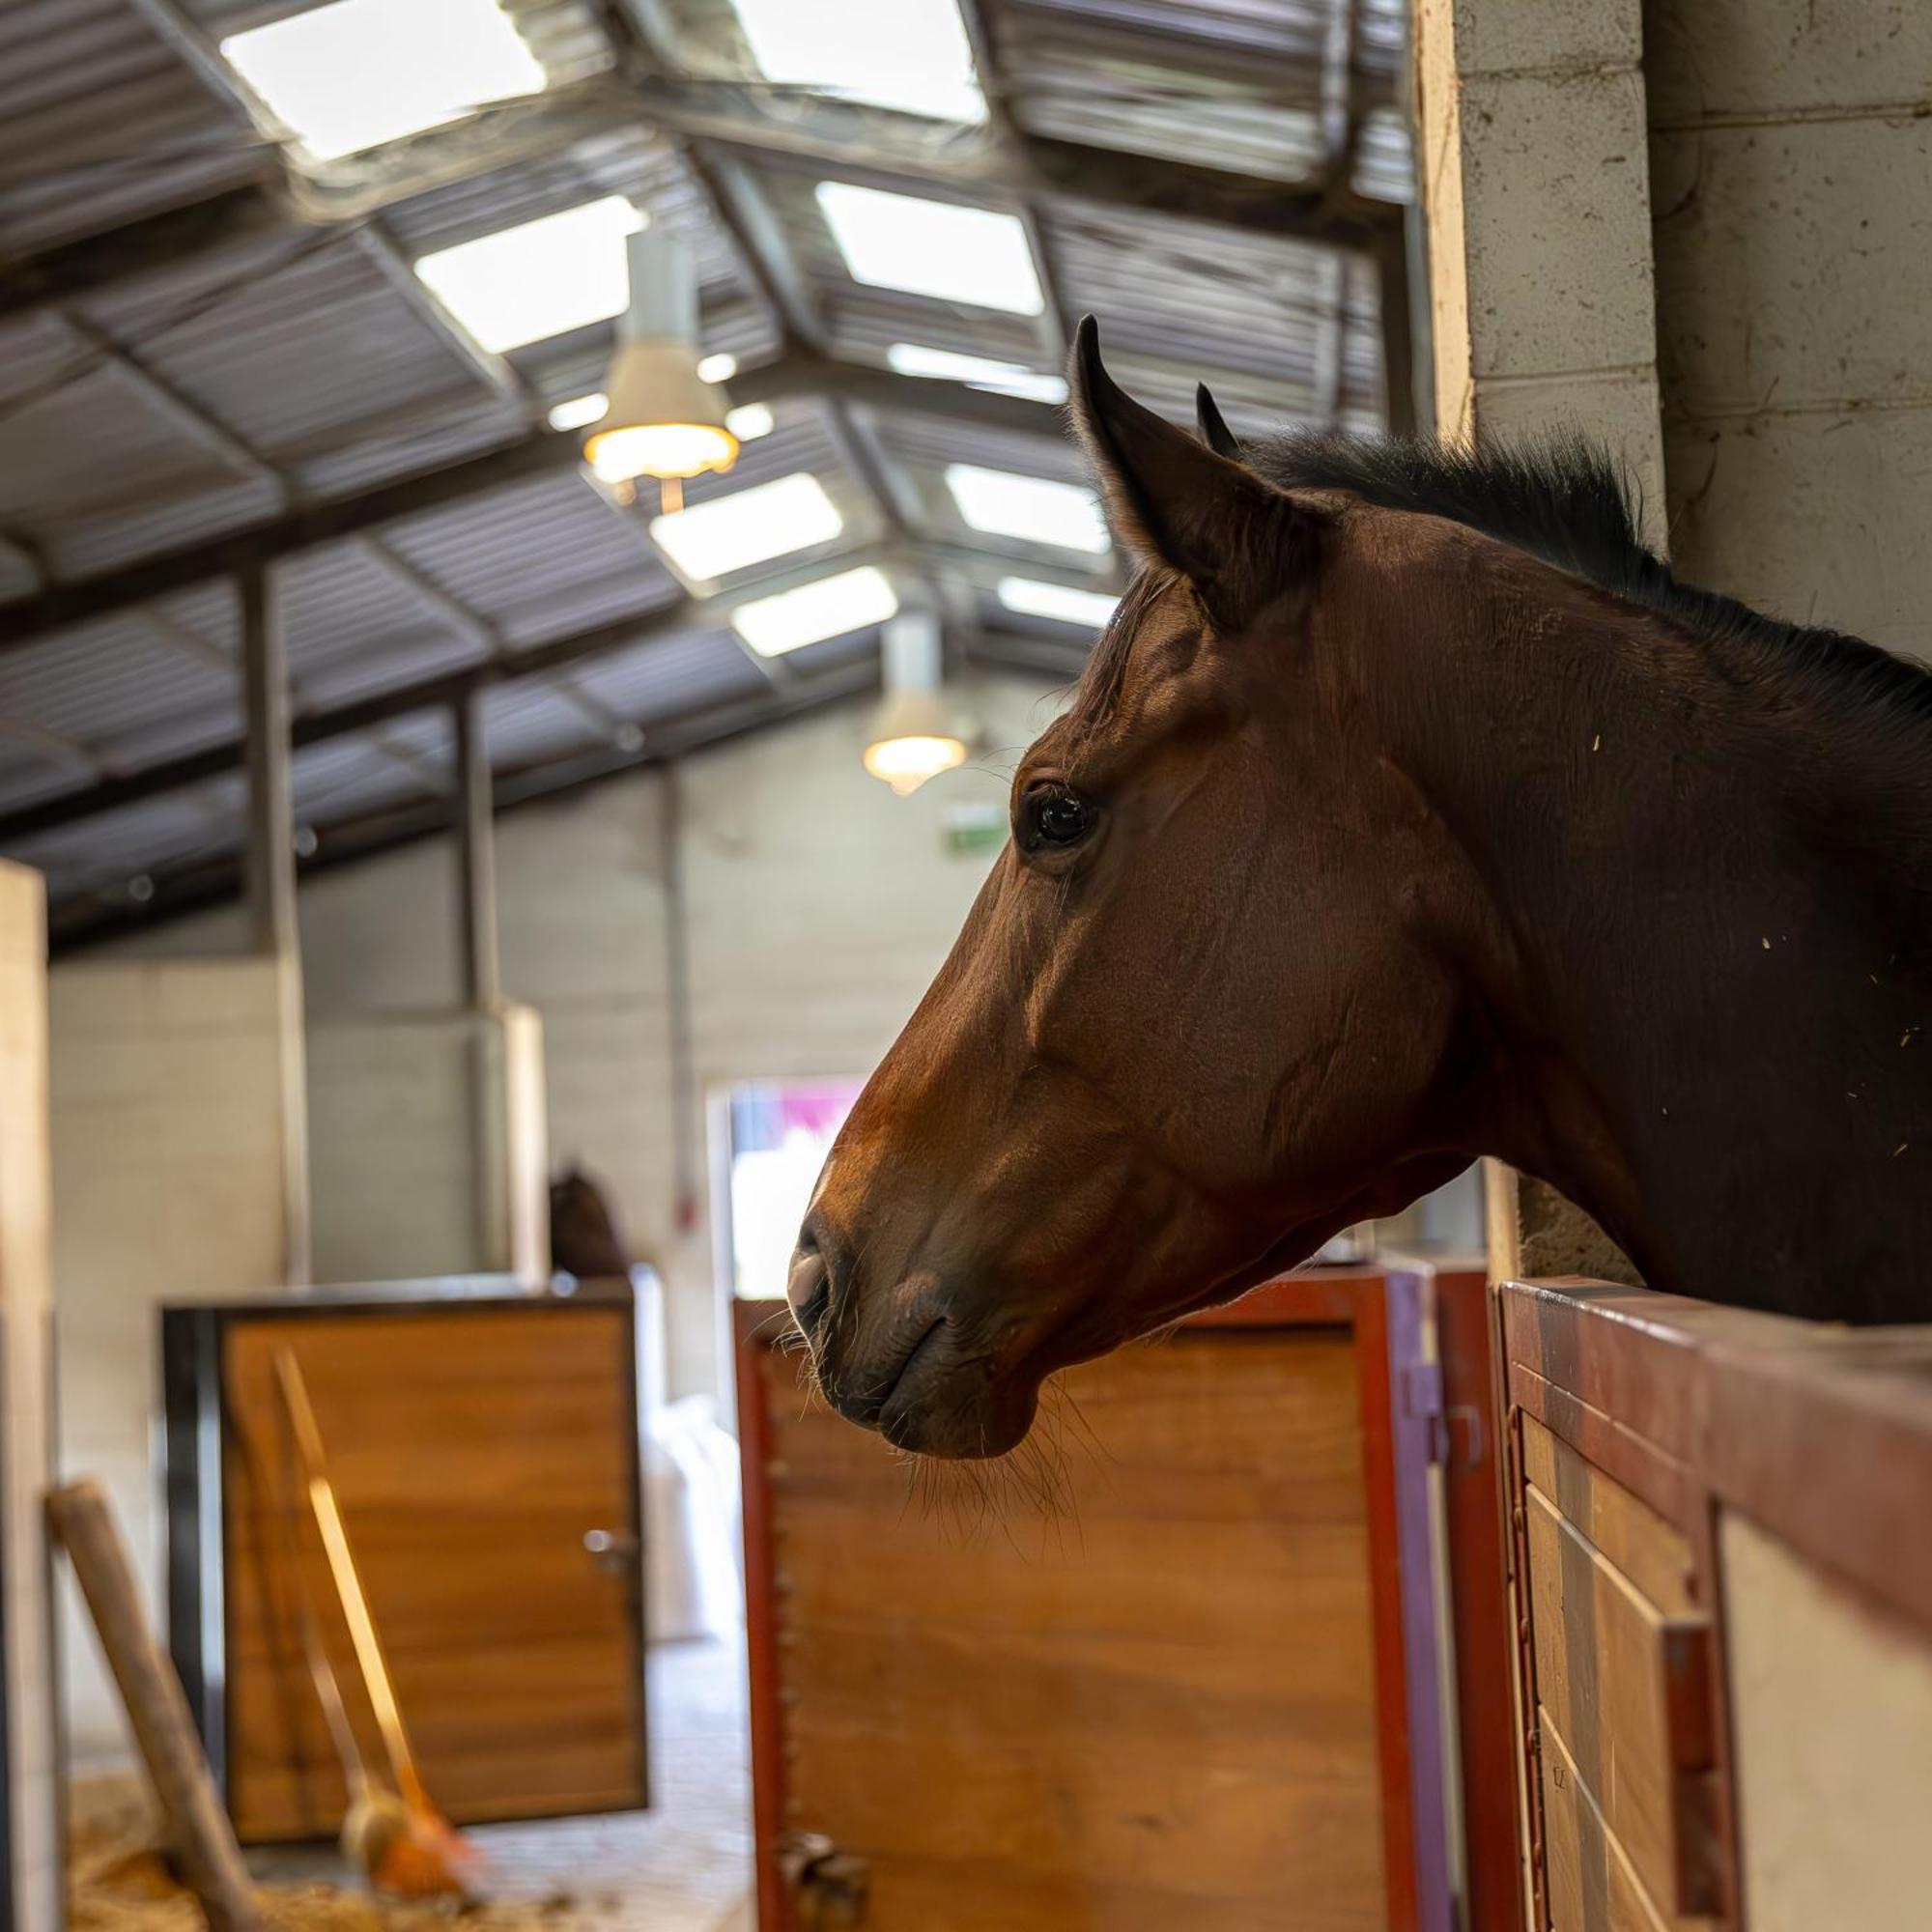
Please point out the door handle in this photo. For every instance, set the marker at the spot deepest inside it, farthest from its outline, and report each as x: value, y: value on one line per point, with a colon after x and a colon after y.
x: 613, y: 1551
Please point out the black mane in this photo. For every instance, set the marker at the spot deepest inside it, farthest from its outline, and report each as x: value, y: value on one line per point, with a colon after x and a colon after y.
x: 1562, y: 499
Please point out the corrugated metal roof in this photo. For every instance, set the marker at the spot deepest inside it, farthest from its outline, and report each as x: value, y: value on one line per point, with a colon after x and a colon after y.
x: 1234, y: 84
x: 531, y: 722
x: 538, y: 561
x: 342, y: 773
x: 303, y: 363
x: 303, y: 349
x: 669, y: 677
x: 101, y: 124
x: 105, y: 852
x: 120, y: 687
x: 97, y: 470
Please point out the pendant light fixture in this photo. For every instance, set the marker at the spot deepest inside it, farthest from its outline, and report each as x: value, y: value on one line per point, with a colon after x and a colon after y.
x: 915, y: 735
x: 660, y: 420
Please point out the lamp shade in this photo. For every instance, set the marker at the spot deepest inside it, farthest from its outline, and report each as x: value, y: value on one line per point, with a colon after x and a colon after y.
x: 660, y: 419
x: 916, y: 734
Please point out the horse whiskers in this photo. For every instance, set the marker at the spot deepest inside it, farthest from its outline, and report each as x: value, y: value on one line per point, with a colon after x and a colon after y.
x: 967, y: 1499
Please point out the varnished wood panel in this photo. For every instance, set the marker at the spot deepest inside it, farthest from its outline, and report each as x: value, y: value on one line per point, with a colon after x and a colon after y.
x: 1622, y: 1686
x: 472, y: 1450
x: 1591, y: 1885
x: 1157, y: 1712
x: 1631, y: 1535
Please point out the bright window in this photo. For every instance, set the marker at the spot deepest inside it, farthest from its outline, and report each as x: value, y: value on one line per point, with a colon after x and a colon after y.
x: 731, y: 532
x: 855, y: 600
x: 361, y: 73
x: 540, y: 278
x: 780, y: 1135
x: 976, y: 372
x: 908, y: 54
x: 1038, y: 510
x: 977, y: 256
x: 1063, y: 603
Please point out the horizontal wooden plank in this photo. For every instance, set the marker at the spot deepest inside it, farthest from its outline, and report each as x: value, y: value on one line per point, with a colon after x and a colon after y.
x: 1628, y: 1689
x: 1650, y: 1551
x: 1591, y: 1882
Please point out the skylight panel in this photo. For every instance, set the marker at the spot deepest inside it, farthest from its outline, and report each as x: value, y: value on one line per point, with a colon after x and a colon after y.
x: 833, y: 607
x: 540, y: 278
x: 1035, y: 509
x: 976, y: 372
x: 910, y: 55
x: 358, y: 73
x: 1061, y: 602
x: 748, y: 421
x: 733, y: 533
x: 975, y: 256
x: 579, y: 411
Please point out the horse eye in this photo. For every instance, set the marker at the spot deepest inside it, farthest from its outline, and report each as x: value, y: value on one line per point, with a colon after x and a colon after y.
x: 1059, y: 818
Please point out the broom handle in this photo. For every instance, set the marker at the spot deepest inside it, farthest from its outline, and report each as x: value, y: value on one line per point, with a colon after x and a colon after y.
x: 348, y: 1583
x: 321, y: 1672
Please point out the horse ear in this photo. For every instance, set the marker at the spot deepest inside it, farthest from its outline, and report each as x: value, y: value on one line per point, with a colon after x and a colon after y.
x: 1236, y: 538
x: 1213, y: 425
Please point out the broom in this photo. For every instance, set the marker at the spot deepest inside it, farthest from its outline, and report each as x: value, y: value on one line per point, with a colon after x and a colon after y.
x: 401, y: 1839
x: 375, y: 1820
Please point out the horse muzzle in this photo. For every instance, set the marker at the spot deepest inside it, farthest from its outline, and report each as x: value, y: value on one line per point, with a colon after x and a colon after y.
x: 900, y: 1359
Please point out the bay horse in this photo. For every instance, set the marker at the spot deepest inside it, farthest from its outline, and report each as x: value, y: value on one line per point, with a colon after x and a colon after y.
x: 1409, y: 810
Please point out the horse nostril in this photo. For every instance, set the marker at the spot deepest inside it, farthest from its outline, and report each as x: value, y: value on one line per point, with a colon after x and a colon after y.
x: 808, y: 1285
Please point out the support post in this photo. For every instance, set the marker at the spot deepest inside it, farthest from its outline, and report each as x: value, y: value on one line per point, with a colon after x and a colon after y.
x: 270, y: 871
x: 271, y: 840
x: 476, y: 857
x: 32, y: 1766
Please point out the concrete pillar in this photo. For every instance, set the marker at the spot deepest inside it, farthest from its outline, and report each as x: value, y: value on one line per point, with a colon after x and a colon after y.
x: 173, y: 1117
x: 34, y: 1885
x: 1531, y: 130
x: 427, y: 1135
x: 1536, y: 194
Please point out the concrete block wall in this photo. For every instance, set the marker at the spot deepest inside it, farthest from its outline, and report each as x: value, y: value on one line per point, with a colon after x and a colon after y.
x: 31, y: 1891
x: 426, y: 1146
x: 1536, y: 189
x: 172, y: 1118
x: 1791, y: 156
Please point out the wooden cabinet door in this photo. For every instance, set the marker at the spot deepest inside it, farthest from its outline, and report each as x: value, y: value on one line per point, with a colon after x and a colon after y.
x: 486, y: 1461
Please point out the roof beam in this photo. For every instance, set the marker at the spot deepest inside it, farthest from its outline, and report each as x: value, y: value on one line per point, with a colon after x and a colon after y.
x: 437, y: 693
x: 447, y: 688
x: 193, y: 889
x: 541, y: 453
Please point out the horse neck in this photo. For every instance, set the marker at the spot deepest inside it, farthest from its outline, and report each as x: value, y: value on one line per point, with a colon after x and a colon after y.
x: 1703, y: 948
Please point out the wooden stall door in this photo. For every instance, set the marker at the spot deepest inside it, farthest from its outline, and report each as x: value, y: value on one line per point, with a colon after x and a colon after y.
x: 485, y: 1463
x: 1177, y: 1700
